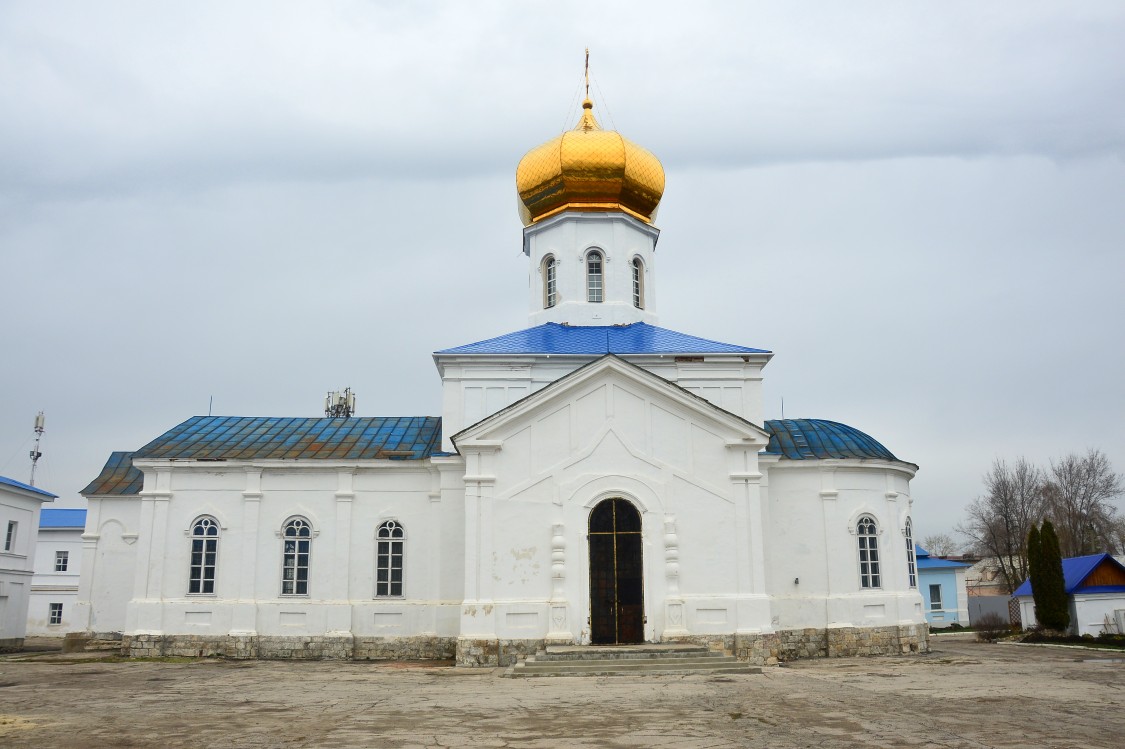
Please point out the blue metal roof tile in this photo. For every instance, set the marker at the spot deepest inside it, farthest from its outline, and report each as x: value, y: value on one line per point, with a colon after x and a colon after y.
x: 51, y: 518
x: 26, y: 487
x: 248, y: 438
x: 118, y: 477
x: 936, y: 563
x: 817, y: 439
x: 581, y: 340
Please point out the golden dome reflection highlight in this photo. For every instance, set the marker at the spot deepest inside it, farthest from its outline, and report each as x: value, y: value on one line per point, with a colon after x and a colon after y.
x: 589, y: 169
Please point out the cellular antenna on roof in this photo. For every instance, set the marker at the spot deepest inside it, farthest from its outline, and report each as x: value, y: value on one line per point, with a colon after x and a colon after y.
x: 339, y: 405
x: 35, y: 454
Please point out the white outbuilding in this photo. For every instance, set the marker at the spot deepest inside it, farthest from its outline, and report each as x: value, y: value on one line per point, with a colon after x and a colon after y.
x: 20, y: 505
x: 593, y: 478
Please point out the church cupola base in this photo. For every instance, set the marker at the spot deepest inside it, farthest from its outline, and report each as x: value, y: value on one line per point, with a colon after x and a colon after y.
x: 591, y: 269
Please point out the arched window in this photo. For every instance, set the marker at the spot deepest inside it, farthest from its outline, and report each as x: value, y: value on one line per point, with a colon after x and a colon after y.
x: 594, y: 280
x: 296, y: 541
x: 868, y: 535
x: 638, y: 283
x: 204, y: 551
x: 550, y: 290
x: 911, y: 566
x: 388, y: 563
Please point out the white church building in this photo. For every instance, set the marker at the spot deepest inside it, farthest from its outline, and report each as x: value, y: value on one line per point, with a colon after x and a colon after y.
x: 592, y: 479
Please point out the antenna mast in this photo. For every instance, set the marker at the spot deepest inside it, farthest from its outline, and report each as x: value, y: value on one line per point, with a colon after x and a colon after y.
x: 339, y: 405
x: 35, y: 454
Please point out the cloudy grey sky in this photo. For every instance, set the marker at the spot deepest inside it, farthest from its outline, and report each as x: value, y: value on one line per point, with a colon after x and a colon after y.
x: 918, y: 207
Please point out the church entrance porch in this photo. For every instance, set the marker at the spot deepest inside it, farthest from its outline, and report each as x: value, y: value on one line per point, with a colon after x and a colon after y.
x: 616, y: 579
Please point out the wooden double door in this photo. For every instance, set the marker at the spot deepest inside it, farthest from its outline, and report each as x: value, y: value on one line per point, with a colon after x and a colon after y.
x: 617, y: 615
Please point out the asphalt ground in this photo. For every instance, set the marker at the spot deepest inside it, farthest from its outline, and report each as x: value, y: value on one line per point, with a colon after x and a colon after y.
x: 963, y: 694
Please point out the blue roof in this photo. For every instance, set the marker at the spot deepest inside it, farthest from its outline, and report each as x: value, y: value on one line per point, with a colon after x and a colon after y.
x: 118, y: 477
x: 250, y: 437
x: 803, y: 439
x: 1077, y: 569
x: 61, y: 518
x: 935, y: 563
x: 4, y: 480
x: 582, y: 340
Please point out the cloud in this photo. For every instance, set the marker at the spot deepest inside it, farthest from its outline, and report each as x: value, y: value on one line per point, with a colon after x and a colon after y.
x: 134, y: 97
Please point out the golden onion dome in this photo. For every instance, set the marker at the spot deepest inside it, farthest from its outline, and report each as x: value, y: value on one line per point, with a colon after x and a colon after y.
x: 589, y: 169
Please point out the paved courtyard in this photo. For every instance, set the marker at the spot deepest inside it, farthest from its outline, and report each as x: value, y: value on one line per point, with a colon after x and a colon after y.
x: 962, y: 695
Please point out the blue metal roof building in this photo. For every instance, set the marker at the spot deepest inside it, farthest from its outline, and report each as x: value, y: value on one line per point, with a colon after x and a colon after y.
x: 1095, y: 589
x: 623, y: 340
x: 1075, y: 572
x: 945, y: 594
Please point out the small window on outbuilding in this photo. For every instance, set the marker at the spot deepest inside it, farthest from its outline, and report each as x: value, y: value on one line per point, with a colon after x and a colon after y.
x: 935, y: 598
x: 62, y: 561
x: 54, y: 613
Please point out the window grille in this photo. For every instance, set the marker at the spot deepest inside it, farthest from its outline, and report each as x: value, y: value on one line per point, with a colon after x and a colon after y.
x: 388, y: 564
x: 911, y: 566
x: 204, y: 552
x: 54, y: 615
x: 550, y: 290
x: 638, y: 283
x: 62, y: 561
x: 867, y: 533
x: 594, y: 281
x: 297, y: 543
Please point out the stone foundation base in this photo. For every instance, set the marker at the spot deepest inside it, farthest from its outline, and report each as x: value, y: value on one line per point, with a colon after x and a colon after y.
x: 758, y: 649
x: 835, y: 642
x: 306, y: 647
x: 474, y: 653
x: 10, y: 644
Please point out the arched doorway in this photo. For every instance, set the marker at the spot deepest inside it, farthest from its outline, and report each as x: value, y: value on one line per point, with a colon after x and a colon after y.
x: 616, y: 580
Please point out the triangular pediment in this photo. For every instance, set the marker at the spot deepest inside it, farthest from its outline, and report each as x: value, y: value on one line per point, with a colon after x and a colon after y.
x: 634, y: 381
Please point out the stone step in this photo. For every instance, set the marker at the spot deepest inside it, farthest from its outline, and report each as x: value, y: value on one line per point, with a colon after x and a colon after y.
x: 622, y: 660
x: 629, y: 664
x: 617, y: 654
x: 645, y: 667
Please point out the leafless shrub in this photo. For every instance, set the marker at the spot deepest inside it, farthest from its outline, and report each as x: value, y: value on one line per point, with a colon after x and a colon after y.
x: 991, y: 627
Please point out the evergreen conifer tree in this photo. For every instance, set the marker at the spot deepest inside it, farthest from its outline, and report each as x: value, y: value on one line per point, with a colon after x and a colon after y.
x: 1034, y: 569
x: 1056, y: 607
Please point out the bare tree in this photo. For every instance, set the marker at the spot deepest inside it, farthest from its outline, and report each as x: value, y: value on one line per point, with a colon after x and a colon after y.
x: 940, y: 544
x: 998, y: 522
x: 1079, y: 493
